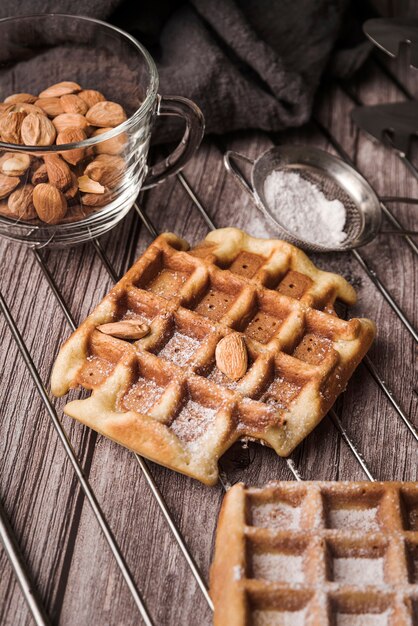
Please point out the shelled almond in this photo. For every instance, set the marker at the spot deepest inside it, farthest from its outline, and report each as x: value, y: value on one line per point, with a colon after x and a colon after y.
x: 55, y: 186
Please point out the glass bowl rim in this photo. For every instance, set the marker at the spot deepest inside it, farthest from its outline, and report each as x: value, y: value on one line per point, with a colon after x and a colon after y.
x: 117, y: 130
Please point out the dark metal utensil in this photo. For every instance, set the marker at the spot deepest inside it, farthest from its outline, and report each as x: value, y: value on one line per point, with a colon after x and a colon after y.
x: 389, y: 34
x: 392, y: 124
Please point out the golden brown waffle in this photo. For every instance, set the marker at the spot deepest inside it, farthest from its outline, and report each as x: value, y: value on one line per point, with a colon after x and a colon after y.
x: 317, y: 554
x: 163, y: 396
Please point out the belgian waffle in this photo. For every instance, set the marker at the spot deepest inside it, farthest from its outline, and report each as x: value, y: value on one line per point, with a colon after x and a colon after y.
x: 317, y: 554
x: 163, y: 396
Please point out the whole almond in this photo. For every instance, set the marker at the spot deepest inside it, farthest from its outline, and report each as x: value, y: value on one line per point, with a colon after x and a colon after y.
x: 20, y: 202
x: 21, y: 97
x: 91, y: 97
x: 14, y: 163
x: 50, y: 203
x: 70, y: 120
x: 51, y: 106
x: 231, y: 356
x: 38, y: 130
x: 105, y: 114
x: 40, y: 175
x: 126, y: 329
x: 60, y: 89
x: 115, y: 145
x: 10, y: 126
x: 72, y: 135
x: 106, y: 169
x: 7, y: 185
x: 73, y: 104
x: 59, y: 174
x: 25, y: 107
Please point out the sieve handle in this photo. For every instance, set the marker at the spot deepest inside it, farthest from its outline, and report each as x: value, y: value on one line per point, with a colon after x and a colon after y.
x: 230, y: 158
x: 398, y: 199
x: 410, y: 233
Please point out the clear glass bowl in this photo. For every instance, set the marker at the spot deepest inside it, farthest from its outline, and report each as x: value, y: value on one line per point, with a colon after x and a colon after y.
x: 41, y: 50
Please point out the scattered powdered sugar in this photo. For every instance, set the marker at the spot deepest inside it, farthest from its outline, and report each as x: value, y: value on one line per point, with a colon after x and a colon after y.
x: 366, y: 619
x: 192, y: 421
x: 216, y: 376
x: 355, y: 571
x: 142, y: 395
x: 303, y: 209
x: 237, y: 572
x: 276, y: 515
x: 364, y: 520
x: 279, y: 618
x: 278, y: 567
x: 179, y: 348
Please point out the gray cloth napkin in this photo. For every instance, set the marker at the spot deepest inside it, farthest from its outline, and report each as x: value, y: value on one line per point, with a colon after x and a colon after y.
x: 246, y: 63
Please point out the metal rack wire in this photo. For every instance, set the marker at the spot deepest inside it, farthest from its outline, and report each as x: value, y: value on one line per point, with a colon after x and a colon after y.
x: 6, y: 533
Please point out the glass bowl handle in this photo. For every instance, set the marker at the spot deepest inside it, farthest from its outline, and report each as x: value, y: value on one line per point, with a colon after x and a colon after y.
x: 195, y: 126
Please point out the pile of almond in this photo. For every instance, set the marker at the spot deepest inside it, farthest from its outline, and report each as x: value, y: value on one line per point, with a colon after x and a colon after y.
x: 59, y: 187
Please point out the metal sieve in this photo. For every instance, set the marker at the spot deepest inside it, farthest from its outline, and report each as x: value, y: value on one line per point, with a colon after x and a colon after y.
x: 335, y: 178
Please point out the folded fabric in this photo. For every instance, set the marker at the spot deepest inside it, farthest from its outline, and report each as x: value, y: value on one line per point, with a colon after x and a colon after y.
x: 246, y: 63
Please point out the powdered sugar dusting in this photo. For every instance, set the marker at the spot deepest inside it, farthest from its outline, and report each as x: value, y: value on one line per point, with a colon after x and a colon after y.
x: 276, y: 515
x: 192, y: 421
x: 180, y: 348
x: 216, y: 376
x: 279, y: 567
x: 367, y: 619
x: 303, y: 209
x: 237, y: 572
x: 142, y: 395
x: 279, y: 618
x: 133, y: 315
x: 355, y: 571
x: 364, y: 520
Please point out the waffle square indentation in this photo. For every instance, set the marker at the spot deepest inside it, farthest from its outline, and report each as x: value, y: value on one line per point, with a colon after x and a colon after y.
x: 283, y: 512
x: 246, y: 264
x: 362, y: 609
x: 146, y: 388
x: 287, y: 608
x: 142, y: 395
x: 358, y: 511
x: 166, y: 274
x: 282, y: 562
x: 215, y: 303
x: 313, y: 349
x: 294, y: 284
x: 196, y: 411
x: 355, y: 562
x: 219, y: 294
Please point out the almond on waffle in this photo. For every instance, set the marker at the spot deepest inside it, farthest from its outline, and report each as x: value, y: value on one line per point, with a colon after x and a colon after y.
x: 162, y: 395
x: 317, y: 554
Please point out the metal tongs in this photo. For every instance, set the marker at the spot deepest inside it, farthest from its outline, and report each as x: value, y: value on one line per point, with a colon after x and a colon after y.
x: 392, y: 34
x: 393, y: 124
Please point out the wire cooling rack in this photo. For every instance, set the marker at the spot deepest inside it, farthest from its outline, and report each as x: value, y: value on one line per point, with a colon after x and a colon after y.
x: 6, y: 533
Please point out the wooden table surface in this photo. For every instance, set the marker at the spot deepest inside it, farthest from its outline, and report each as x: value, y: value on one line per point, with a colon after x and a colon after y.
x: 76, y: 576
